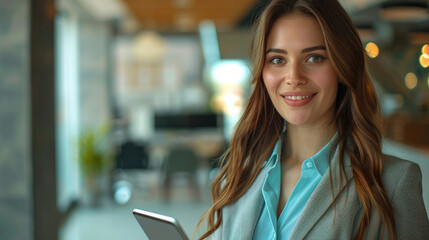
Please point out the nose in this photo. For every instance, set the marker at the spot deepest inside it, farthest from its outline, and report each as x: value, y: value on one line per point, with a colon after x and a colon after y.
x: 295, y: 75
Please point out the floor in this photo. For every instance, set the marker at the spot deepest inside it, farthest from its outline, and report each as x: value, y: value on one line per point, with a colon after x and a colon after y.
x: 113, y: 221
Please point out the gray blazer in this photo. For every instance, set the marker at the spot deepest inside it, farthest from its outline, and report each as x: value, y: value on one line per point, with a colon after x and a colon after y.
x: 320, y: 220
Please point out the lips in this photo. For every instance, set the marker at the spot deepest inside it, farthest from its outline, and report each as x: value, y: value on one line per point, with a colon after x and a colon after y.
x: 298, y: 99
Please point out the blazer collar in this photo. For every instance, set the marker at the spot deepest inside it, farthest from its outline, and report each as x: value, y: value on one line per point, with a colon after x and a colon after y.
x: 321, y: 199
x: 240, y: 218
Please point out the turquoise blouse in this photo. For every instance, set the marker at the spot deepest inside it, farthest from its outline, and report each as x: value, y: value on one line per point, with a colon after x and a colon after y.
x: 312, y: 170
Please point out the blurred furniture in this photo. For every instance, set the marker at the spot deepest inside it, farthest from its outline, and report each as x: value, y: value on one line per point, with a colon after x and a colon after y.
x: 132, y: 156
x: 181, y: 162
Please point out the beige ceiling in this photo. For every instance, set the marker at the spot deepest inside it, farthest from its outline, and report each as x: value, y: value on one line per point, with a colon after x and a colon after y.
x: 187, y: 14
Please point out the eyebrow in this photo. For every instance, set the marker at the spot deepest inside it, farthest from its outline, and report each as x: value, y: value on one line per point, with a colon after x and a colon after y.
x: 305, y: 50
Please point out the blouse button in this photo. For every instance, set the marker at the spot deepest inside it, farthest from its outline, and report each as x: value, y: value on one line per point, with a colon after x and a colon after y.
x: 309, y: 164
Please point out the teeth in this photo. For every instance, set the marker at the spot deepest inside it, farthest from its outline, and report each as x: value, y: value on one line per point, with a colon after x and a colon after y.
x: 296, y: 97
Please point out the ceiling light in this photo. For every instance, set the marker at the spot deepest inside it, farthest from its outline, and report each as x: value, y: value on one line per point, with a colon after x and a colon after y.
x: 149, y: 46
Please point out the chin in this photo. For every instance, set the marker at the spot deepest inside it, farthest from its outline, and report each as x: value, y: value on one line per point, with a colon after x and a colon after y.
x: 296, y: 121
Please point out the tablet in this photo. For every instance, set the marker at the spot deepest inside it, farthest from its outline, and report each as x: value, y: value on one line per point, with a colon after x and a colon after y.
x: 159, y: 227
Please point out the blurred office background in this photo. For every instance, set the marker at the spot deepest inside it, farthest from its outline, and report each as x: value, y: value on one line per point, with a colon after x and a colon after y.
x: 111, y: 105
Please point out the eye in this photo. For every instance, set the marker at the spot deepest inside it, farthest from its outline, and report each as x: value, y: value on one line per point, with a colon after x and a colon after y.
x: 277, y: 60
x: 316, y: 58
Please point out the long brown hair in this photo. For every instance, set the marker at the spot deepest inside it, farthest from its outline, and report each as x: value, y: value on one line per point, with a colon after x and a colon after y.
x: 357, y: 117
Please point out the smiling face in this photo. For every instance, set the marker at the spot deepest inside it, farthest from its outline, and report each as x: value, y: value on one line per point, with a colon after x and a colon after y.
x: 297, y: 72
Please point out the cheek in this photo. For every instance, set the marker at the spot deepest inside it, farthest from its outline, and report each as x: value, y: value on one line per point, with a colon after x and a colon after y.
x: 270, y: 80
x: 327, y: 80
x: 331, y: 88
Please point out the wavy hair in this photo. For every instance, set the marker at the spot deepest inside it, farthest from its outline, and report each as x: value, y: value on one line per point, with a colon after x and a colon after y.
x: 357, y: 117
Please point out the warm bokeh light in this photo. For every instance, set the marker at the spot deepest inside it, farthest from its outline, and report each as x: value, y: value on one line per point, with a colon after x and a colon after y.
x: 425, y: 50
x: 410, y: 80
x: 424, y: 60
x: 372, y: 49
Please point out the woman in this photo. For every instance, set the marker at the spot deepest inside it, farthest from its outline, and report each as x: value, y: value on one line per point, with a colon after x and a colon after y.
x: 305, y: 160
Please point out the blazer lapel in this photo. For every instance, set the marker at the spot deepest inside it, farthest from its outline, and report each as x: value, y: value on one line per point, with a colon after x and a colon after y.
x: 239, y: 219
x: 321, y: 199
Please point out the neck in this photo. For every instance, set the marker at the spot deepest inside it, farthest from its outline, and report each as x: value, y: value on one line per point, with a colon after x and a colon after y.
x: 302, y: 142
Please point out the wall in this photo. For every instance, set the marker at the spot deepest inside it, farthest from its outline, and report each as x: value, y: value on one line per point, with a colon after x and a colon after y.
x: 16, y: 211
x: 93, y: 68
x: 83, y: 96
x: 15, y: 161
x: 94, y: 72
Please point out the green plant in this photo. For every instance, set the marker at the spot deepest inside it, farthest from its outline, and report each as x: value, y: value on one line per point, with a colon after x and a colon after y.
x: 95, y: 154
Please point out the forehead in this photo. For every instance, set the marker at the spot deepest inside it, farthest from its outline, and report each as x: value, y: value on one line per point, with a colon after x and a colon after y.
x: 295, y: 30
